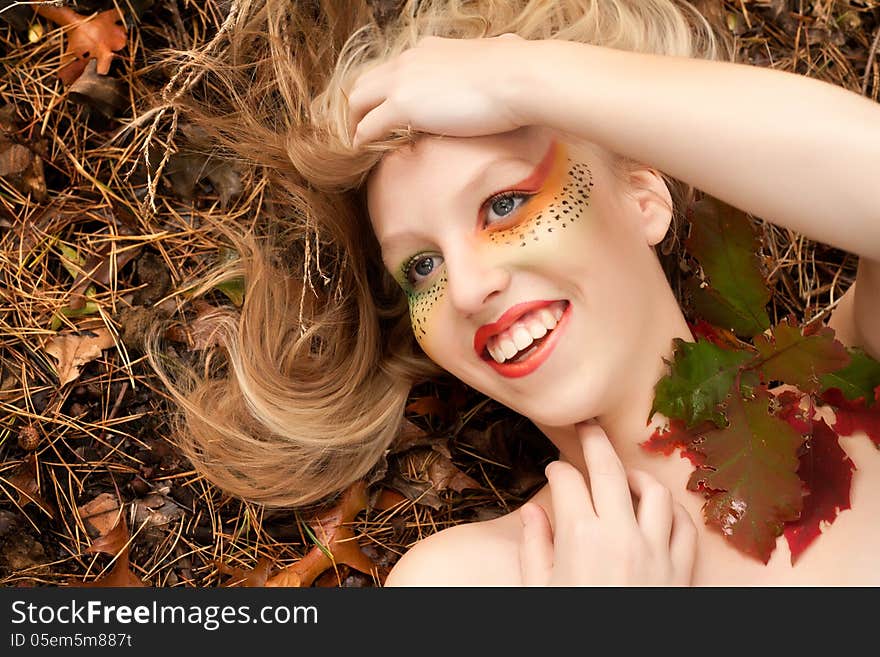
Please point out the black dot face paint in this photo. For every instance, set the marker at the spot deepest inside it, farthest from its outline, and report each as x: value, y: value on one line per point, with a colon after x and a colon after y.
x: 423, y: 302
x: 558, y: 195
x: 560, y: 202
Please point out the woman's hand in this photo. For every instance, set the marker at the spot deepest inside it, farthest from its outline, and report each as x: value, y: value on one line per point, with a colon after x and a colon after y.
x: 599, y: 539
x: 453, y: 87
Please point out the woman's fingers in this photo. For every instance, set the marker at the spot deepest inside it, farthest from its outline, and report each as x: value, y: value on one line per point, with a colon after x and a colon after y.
x: 655, y: 509
x: 536, y: 548
x: 375, y: 125
x: 608, y: 482
x: 572, y: 502
x: 683, y: 544
x: 367, y: 93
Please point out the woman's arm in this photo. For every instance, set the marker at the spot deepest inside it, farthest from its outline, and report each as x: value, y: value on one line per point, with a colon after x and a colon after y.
x: 792, y: 150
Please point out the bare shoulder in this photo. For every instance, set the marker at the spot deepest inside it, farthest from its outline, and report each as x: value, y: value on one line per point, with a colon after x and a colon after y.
x: 473, y: 554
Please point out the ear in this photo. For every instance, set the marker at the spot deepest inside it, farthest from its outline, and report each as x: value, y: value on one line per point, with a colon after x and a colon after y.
x: 649, y: 191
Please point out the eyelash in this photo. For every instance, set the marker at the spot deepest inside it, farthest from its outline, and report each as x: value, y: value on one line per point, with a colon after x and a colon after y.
x: 489, y: 202
x: 407, y: 268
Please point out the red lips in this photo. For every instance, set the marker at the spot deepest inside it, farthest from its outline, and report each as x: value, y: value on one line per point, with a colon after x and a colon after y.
x: 541, y: 354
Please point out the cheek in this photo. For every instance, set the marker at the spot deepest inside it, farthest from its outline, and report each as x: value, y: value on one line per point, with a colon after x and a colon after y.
x: 423, y: 307
x: 556, y: 218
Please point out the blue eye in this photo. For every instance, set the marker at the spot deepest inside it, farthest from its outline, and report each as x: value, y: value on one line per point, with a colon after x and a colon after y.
x: 422, y: 266
x: 503, y: 205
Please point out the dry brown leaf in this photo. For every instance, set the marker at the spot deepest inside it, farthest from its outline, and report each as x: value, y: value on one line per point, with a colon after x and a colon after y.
x: 120, y: 576
x: 98, y: 269
x: 14, y: 158
x: 155, y: 510
x: 88, y: 38
x: 72, y: 351
x: 445, y: 475
x: 101, y: 513
x: 101, y: 92
x: 245, y: 577
x: 337, y: 538
x: 203, y: 331
x: 115, y: 542
x: 24, y: 480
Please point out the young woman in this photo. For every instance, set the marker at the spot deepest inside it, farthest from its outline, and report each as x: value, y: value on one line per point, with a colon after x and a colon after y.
x: 486, y: 176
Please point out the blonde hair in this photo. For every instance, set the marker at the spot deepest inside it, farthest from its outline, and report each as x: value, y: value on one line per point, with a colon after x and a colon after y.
x: 322, y: 358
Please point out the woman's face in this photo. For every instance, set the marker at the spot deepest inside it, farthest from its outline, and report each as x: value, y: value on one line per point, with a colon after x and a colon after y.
x: 528, y: 268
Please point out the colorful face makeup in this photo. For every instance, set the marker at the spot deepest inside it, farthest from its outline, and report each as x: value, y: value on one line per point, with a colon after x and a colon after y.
x: 557, y: 195
x: 517, y: 224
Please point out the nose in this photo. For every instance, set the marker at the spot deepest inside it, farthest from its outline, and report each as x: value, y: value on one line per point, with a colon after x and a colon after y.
x: 473, y: 279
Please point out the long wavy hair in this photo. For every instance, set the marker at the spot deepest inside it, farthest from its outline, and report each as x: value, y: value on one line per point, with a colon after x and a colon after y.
x: 321, y: 359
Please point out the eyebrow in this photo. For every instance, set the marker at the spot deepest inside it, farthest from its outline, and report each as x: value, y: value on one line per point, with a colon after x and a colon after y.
x: 530, y: 183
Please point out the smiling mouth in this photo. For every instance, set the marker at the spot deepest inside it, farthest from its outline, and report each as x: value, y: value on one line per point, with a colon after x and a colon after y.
x: 519, y: 341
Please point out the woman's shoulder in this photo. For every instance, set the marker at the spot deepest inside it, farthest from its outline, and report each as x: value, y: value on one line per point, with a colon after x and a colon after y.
x: 482, y: 553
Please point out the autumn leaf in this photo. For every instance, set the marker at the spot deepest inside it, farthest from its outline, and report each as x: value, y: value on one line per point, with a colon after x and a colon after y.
x: 72, y: 351
x: 115, y: 543
x: 24, y: 480
x: 336, y: 544
x: 700, y: 378
x: 750, y: 476
x: 678, y: 436
x: 203, y: 331
x: 723, y: 241
x: 856, y: 380
x: 852, y: 416
x: 96, y: 37
x: 827, y: 472
x: 100, y: 514
x: 791, y: 357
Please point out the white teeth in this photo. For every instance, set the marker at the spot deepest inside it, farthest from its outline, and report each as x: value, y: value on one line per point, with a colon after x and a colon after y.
x: 531, y: 327
x: 547, y: 318
x: 537, y: 329
x: 521, y: 337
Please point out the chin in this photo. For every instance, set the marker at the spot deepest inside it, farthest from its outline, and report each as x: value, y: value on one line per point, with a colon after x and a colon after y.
x: 558, y: 410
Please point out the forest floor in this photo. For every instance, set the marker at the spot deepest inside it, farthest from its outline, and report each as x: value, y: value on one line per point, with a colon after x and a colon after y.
x: 92, y: 488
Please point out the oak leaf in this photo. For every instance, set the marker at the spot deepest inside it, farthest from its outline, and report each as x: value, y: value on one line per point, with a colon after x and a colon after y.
x: 851, y: 416
x: 115, y: 543
x: 799, y: 360
x: 700, y: 378
x: 72, y: 351
x: 826, y: 471
x: 750, y: 475
x: 856, y: 380
x: 96, y: 37
x: 724, y: 242
x: 337, y: 543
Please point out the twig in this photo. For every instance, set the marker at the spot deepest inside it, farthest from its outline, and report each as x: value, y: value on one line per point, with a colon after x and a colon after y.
x: 869, y: 65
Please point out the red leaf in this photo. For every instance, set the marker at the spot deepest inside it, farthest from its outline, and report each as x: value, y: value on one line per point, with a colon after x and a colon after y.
x: 792, y: 357
x: 852, y: 416
x: 750, y: 475
x: 827, y: 472
x: 677, y: 436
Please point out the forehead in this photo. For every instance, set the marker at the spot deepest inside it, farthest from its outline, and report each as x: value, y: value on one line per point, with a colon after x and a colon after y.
x: 445, y: 169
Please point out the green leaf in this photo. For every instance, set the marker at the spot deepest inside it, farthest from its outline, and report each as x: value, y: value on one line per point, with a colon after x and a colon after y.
x: 858, y: 379
x: 700, y: 378
x: 799, y: 360
x: 233, y: 289
x: 71, y: 260
x: 725, y: 243
x: 750, y: 475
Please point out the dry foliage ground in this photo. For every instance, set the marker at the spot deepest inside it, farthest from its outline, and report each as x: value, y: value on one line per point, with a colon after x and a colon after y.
x: 85, y: 264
